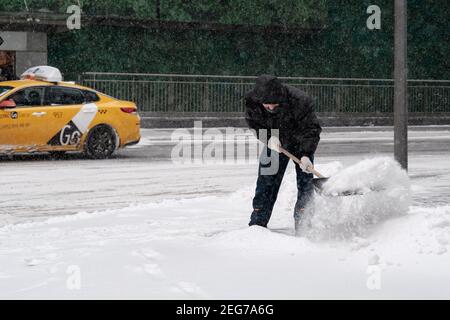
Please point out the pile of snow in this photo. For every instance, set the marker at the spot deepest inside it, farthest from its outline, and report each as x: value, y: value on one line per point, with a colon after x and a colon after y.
x: 382, y: 191
x: 371, y: 174
x: 201, y: 248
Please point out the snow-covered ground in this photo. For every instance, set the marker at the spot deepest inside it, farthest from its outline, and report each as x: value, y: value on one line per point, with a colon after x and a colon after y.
x: 152, y: 229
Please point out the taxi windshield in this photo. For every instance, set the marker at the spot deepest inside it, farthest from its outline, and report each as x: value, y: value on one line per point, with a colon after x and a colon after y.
x: 4, y: 90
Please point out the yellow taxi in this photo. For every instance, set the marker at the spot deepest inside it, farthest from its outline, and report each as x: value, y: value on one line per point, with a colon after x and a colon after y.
x: 41, y: 113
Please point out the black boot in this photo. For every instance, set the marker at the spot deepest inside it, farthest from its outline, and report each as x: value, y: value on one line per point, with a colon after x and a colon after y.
x: 297, y: 225
x: 259, y: 218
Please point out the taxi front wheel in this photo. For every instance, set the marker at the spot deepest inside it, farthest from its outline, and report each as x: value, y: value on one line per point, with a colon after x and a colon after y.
x: 100, y: 143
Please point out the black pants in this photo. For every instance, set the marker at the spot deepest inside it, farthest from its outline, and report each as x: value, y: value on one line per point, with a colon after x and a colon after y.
x: 267, y: 188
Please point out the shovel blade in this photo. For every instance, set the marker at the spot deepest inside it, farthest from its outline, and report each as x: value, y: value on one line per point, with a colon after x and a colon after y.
x: 318, y: 182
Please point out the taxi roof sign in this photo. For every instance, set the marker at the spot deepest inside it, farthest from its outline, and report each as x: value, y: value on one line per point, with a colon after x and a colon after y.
x: 43, y: 73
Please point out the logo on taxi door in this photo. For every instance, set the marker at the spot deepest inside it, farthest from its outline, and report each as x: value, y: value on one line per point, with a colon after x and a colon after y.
x: 14, y: 115
x: 69, y: 135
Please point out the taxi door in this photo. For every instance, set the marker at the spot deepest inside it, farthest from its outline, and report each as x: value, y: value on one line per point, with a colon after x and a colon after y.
x: 26, y: 124
x: 42, y: 119
x: 72, y: 116
x: 7, y: 120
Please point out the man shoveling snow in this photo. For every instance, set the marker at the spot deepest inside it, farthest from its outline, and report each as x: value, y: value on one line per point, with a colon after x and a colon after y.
x: 378, y: 188
x: 272, y: 105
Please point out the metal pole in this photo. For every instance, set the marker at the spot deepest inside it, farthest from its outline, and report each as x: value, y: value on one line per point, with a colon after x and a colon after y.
x: 401, y: 85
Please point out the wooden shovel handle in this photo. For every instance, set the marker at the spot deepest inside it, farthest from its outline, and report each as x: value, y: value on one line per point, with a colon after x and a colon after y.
x: 295, y: 159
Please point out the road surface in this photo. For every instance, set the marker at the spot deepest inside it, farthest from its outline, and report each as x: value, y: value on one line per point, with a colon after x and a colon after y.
x: 33, y: 187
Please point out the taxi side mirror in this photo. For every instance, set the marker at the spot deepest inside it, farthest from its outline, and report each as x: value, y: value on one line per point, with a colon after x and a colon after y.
x: 7, y: 104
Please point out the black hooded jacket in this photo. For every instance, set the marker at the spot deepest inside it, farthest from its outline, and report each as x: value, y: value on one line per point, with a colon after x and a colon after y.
x: 298, y: 125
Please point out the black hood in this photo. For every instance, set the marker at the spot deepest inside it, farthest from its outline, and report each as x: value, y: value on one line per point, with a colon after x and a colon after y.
x: 268, y: 89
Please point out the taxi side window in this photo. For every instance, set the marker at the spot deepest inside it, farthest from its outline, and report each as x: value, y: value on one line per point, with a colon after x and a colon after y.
x: 90, y: 96
x: 60, y: 96
x: 28, y: 97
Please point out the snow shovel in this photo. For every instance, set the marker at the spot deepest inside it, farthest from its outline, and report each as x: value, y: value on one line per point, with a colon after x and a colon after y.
x: 319, y: 181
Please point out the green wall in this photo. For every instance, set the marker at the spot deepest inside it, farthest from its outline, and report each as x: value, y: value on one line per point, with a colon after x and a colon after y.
x: 344, y: 48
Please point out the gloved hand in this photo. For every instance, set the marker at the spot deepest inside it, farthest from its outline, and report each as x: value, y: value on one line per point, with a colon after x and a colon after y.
x: 305, y: 164
x: 274, y: 143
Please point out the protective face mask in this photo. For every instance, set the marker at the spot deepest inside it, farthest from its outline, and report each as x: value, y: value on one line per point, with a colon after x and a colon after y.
x: 274, y: 111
